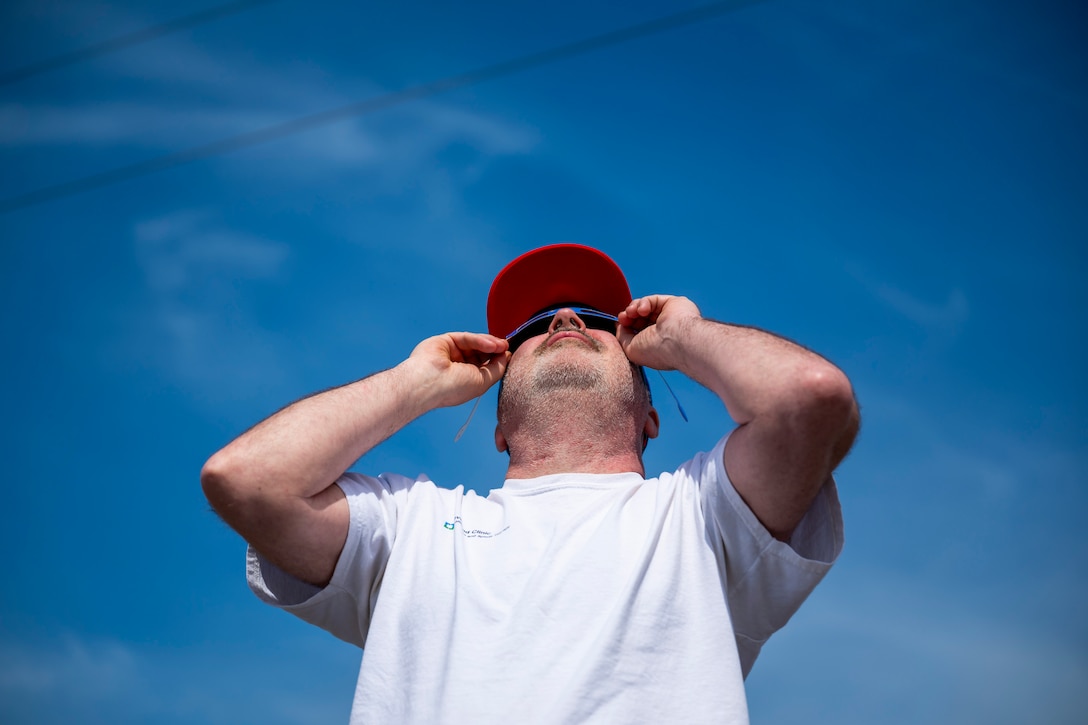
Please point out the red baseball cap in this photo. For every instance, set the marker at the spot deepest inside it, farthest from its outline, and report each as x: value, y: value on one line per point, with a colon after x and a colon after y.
x: 554, y: 275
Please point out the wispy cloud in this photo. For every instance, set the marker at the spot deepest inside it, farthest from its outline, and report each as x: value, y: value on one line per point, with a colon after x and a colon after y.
x: 77, y: 678
x: 70, y: 668
x: 906, y: 637
x: 194, y: 327
x: 966, y: 452
x: 123, y: 123
x: 419, y: 131
x: 949, y: 315
x: 184, y: 247
x: 187, y: 96
x: 420, y: 156
x: 946, y: 316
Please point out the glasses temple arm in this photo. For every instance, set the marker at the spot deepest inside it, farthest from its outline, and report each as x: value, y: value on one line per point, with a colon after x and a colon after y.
x: 673, y: 394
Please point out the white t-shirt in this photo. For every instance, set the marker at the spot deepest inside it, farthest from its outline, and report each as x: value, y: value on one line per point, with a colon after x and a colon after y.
x: 572, y: 598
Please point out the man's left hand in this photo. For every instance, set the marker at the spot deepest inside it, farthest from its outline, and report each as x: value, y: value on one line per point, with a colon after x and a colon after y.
x: 650, y: 327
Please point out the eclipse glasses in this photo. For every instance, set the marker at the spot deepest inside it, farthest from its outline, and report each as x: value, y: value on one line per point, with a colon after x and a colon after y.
x: 541, y: 322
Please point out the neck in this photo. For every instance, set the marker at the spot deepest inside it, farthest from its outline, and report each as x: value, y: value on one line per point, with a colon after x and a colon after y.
x: 577, y: 439
x: 589, y: 462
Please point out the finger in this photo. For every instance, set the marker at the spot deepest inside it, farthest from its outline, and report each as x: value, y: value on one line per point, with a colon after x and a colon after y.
x: 478, y: 341
x: 630, y: 313
x: 643, y: 306
x: 495, y: 368
x: 472, y: 347
x: 640, y: 313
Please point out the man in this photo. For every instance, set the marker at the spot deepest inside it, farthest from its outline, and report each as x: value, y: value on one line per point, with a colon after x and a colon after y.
x: 579, y: 591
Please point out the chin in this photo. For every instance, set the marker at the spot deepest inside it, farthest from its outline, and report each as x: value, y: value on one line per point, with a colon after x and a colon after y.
x: 567, y: 375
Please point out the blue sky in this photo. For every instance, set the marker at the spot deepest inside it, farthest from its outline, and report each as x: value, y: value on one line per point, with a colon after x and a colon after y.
x: 899, y: 185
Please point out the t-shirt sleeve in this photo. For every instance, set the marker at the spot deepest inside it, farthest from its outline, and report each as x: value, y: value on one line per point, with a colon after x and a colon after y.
x: 766, y: 580
x: 344, y: 606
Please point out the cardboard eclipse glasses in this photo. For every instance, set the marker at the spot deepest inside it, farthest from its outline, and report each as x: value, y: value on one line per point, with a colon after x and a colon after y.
x: 541, y: 322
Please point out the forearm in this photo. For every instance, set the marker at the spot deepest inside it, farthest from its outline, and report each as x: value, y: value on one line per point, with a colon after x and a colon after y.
x: 755, y: 373
x: 302, y: 449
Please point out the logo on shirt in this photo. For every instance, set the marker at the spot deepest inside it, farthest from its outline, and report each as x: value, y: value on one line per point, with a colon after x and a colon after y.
x: 472, y: 533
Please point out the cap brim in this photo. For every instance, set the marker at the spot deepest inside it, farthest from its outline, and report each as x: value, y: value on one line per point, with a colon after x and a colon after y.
x: 553, y: 275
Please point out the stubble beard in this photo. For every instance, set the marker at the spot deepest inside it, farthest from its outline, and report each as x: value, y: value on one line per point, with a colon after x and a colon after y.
x: 562, y: 375
x: 562, y: 388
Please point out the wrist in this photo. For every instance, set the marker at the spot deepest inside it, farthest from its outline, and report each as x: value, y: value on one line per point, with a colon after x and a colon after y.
x: 677, y: 337
x: 416, y: 382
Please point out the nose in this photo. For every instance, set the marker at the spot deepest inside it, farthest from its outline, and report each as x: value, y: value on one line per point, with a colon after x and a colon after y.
x: 566, y: 318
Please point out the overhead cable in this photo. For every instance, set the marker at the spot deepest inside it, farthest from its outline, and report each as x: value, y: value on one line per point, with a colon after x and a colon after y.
x: 370, y: 105
x: 127, y: 41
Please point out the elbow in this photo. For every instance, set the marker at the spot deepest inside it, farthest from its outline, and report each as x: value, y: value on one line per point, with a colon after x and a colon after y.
x: 223, y: 486
x: 214, y: 482
x: 823, y: 386
x: 827, y: 404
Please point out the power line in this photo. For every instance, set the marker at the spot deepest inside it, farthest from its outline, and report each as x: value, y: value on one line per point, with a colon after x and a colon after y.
x: 370, y: 105
x: 127, y: 41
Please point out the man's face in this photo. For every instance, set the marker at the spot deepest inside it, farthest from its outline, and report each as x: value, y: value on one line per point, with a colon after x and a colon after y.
x: 570, y: 356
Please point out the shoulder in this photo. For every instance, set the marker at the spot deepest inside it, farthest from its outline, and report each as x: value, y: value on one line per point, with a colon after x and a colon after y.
x: 400, y: 497
x: 392, y: 484
x: 704, y: 467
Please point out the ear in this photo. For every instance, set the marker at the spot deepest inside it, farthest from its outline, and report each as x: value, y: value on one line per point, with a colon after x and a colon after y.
x: 500, y: 440
x: 651, y: 428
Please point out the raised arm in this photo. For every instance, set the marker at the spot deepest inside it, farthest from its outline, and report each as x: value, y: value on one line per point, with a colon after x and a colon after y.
x: 274, y: 484
x: 796, y: 411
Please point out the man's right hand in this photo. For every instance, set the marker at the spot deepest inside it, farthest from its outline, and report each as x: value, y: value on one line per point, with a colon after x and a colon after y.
x: 456, y: 367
